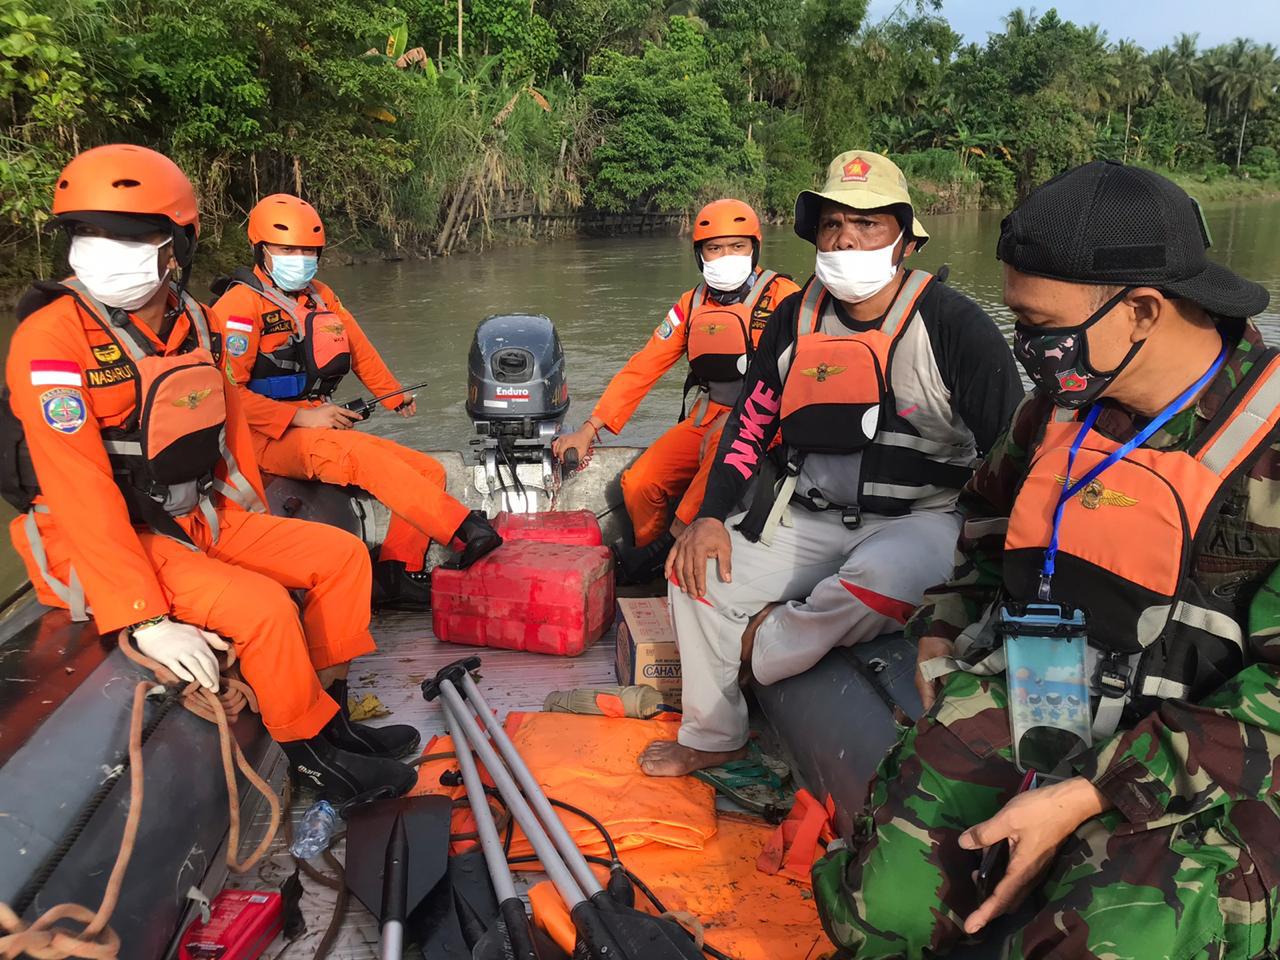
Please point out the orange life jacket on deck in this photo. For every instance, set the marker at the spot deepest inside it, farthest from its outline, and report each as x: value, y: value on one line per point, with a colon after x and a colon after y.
x: 1126, y: 544
x: 315, y: 357
x: 837, y: 386
x: 720, y: 340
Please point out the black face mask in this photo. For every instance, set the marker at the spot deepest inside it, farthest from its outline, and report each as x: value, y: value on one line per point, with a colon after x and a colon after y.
x: 1057, y: 359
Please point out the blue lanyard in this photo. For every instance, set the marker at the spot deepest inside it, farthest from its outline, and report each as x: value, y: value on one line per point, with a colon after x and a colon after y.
x: 1070, y: 489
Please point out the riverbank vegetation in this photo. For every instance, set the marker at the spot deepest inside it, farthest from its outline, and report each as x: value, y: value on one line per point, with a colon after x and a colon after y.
x: 423, y: 125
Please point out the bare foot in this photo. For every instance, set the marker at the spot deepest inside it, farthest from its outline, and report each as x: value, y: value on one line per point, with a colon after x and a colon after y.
x: 749, y: 642
x: 667, y: 758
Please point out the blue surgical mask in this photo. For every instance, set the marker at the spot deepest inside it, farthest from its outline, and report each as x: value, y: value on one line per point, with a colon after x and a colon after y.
x: 293, y: 271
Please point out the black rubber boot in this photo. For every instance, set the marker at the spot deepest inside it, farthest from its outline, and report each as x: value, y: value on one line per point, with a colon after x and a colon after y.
x: 637, y: 565
x: 391, y: 742
x: 478, y: 538
x: 396, y: 588
x: 338, y: 775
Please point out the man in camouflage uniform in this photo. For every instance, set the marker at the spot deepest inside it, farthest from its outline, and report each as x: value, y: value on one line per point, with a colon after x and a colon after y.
x: 1163, y: 840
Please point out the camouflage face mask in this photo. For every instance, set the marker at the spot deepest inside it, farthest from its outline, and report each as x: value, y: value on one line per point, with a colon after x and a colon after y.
x: 1057, y: 359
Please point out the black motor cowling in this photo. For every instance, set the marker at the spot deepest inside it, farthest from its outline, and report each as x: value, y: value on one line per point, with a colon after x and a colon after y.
x: 515, y: 371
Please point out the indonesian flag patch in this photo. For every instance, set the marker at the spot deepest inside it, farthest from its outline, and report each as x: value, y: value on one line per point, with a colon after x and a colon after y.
x: 240, y: 323
x: 669, y: 323
x: 56, y: 373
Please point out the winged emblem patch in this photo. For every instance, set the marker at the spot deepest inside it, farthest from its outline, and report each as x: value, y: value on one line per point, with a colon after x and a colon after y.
x: 823, y: 370
x: 1095, y: 495
x: 193, y: 399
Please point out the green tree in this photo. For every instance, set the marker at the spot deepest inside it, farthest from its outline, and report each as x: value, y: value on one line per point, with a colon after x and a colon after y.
x: 1133, y: 76
x: 669, y: 138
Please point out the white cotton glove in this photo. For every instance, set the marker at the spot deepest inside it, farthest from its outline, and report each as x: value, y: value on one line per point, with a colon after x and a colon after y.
x: 184, y: 649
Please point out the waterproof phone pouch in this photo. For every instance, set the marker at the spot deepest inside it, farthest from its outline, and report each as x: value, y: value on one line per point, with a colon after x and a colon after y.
x: 1044, y: 645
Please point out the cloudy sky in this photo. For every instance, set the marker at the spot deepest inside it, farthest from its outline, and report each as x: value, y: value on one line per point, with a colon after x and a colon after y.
x: 1152, y: 23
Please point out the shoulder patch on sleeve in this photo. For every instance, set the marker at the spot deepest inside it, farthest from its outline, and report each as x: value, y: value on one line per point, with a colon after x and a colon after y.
x: 63, y: 409
x: 673, y: 319
x: 242, y: 324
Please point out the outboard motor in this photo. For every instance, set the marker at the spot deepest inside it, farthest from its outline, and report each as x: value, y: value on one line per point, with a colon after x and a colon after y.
x: 517, y: 396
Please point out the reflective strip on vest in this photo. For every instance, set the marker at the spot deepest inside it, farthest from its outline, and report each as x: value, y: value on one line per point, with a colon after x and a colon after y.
x: 930, y: 448
x: 71, y: 594
x: 287, y: 304
x: 1240, y: 433
x: 236, y: 487
x: 814, y: 302
x: 130, y: 337
x: 903, y: 491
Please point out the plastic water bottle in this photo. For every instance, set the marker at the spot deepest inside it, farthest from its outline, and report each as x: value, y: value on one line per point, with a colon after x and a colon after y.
x: 314, y: 832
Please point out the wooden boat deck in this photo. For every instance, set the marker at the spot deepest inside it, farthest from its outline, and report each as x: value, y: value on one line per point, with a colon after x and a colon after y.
x: 408, y: 652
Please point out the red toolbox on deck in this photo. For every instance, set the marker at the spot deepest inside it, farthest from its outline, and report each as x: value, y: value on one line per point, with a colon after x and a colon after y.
x: 527, y: 595
x: 578, y: 527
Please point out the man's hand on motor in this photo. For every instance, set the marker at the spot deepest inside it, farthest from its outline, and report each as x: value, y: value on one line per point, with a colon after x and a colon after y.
x: 185, y: 650
x: 929, y: 648
x: 687, y: 562
x: 581, y: 440
x: 1035, y: 823
x: 328, y: 416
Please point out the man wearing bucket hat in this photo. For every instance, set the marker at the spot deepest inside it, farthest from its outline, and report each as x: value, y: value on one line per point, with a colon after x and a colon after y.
x: 886, y: 385
x: 1130, y: 515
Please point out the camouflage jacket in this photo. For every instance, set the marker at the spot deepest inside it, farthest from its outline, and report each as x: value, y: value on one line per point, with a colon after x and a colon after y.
x: 1183, y: 757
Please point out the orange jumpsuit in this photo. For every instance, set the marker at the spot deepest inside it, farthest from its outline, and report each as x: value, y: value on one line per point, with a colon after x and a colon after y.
x: 237, y: 586
x: 677, y: 463
x: 410, y: 483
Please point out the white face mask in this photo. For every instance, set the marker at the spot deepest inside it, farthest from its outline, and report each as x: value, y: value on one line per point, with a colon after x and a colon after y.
x: 856, y: 275
x: 120, y: 273
x: 727, y: 273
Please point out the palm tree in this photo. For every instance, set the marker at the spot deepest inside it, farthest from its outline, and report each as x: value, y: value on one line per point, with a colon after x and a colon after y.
x: 1134, y: 75
x: 1255, y: 84
x: 1019, y: 22
x: 1162, y: 64
x: 1186, y: 69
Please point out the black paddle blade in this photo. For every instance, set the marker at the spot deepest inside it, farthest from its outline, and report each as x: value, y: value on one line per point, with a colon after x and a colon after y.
x: 369, y: 830
x: 513, y: 937
x: 620, y: 933
x: 458, y: 912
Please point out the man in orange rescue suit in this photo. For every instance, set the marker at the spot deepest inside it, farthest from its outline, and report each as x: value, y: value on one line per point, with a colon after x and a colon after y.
x: 289, y: 342
x: 130, y: 459
x: 886, y: 385
x: 717, y: 324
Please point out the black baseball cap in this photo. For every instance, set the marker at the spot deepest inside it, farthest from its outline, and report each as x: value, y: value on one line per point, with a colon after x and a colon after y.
x: 1110, y: 223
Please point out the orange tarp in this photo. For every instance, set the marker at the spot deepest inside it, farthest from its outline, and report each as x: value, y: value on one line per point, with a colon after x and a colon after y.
x: 590, y: 762
x: 745, y: 913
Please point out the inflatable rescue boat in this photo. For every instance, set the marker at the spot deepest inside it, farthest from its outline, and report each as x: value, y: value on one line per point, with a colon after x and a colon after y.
x: 65, y: 692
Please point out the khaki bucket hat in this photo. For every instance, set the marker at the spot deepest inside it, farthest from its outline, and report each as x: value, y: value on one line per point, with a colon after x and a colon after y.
x: 862, y: 180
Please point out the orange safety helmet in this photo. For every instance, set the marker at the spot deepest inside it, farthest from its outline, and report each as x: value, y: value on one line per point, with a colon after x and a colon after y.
x: 726, y: 218
x: 287, y: 220
x: 129, y: 189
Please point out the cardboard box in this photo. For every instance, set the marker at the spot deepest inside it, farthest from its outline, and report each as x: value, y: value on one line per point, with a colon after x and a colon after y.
x: 647, y: 650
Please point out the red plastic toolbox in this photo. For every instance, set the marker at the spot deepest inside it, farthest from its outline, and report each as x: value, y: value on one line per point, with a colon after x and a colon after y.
x: 242, y: 924
x: 527, y: 595
x: 577, y: 527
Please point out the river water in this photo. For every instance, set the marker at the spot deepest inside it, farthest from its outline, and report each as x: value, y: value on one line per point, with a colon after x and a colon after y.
x: 607, y: 295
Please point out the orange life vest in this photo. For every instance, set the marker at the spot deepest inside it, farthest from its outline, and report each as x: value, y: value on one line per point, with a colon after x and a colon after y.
x: 1127, y: 541
x: 165, y: 451
x: 837, y: 386
x: 315, y: 358
x: 720, y: 340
